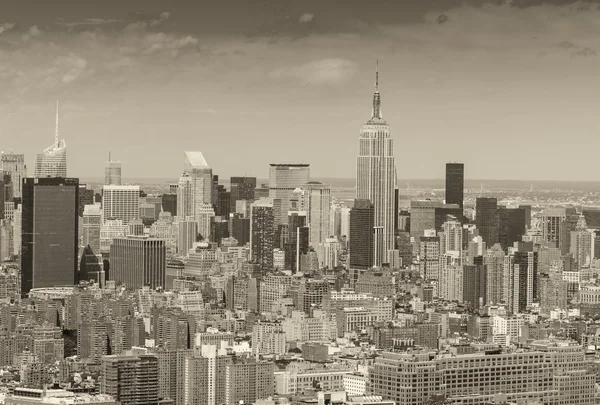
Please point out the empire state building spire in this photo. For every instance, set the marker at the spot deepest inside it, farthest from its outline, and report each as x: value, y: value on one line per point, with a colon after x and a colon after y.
x: 376, y: 113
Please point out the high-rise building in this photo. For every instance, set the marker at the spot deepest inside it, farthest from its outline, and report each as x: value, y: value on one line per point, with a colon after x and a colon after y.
x: 376, y: 172
x: 362, y: 219
x: 91, y: 226
x: 205, y: 376
x: 262, y: 233
x: 53, y: 161
x: 318, y: 207
x: 14, y: 165
x: 242, y: 188
x: 494, y: 260
x: 186, y: 236
x: 512, y: 226
x: 137, y: 261
x: 121, y: 202
x: 455, y: 183
x: 169, y: 203
x: 297, y: 241
x: 429, y: 257
x: 247, y: 380
x: 240, y: 229
x: 131, y: 379
x: 486, y: 219
x: 86, y: 197
x: 283, y: 180
x: 195, y: 165
x: 582, y: 244
x: 451, y: 239
x: 50, y: 241
x: 552, y: 221
x: 112, y: 172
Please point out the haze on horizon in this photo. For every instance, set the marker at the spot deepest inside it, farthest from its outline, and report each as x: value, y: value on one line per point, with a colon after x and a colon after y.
x: 509, y: 88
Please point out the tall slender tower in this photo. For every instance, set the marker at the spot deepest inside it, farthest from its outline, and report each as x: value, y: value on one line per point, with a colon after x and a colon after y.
x: 53, y: 161
x: 376, y: 172
x: 112, y: 172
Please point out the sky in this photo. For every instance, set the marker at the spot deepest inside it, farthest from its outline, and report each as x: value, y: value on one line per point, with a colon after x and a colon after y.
x: 509, y: 88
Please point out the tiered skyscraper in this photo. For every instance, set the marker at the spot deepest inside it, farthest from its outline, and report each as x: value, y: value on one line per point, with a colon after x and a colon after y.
x: 376, y: 173
x: 53, y: 161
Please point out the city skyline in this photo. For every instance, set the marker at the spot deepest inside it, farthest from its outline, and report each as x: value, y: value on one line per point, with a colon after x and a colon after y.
x: 446, y: 91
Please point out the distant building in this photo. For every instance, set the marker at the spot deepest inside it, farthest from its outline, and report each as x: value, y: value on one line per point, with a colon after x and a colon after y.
x: 14, y: 165
x: 486, y: 219
x: 137, y: 261
x: 121, y: 202
x: 262, y: 233
x: 455, y: 183
x: 283, y: 180
x: 112, y: 172
x: 242, y: 188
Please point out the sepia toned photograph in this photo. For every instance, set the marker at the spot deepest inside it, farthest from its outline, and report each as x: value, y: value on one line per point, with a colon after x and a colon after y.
x: 299, y: 202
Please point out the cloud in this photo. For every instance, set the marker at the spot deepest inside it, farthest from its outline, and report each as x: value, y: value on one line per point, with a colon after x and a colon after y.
x: 88, y: 22
x: 32, y: 32
x: 306, y: 18
x: 324, y: 71
x: 6, y: 27
x: 145, y: 24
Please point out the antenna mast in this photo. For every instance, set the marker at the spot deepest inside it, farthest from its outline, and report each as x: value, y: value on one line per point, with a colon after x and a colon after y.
x: 56, y: 129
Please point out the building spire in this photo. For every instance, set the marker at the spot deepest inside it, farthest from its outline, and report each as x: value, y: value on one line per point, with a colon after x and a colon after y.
x: 376, y: 112
x: 377, y: 76
x: 56, y: 129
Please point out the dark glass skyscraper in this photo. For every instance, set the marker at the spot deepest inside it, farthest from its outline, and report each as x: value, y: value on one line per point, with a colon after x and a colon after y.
x: 511, y: 226
x: 169, y: 203
x: 49, y: 242
x: 262, y: 233
x: 362, y: 222
x: 297, y: 241
x: 455, y: 183
x: 486, y: 219
x: 241, y: 188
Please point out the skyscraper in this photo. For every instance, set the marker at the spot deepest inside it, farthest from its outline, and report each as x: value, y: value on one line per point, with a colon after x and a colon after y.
x: 242, y: 188
x: 318, y: 208
x: 455, y: 183
x: 362, y: 218
x: 14, y: 165
x: 49, y: 242
x: 297, y: 241
x: 262, y: 233
x: 112, y: 172
x: 195, y: 165
x: 552, y: 223
x: 195, y: 189
x: 376, y: 172
x: 512, y: 226
x: 121, y: 202
x: 137, y: 261
x: 92, y: 224
x: 169, y: 203
x: 283, y: 180
x: 582, y: 244
x: 53, y: 161
x: 486, y: 219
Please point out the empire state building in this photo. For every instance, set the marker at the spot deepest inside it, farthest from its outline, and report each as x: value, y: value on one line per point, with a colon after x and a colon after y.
x: 376, y: 176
